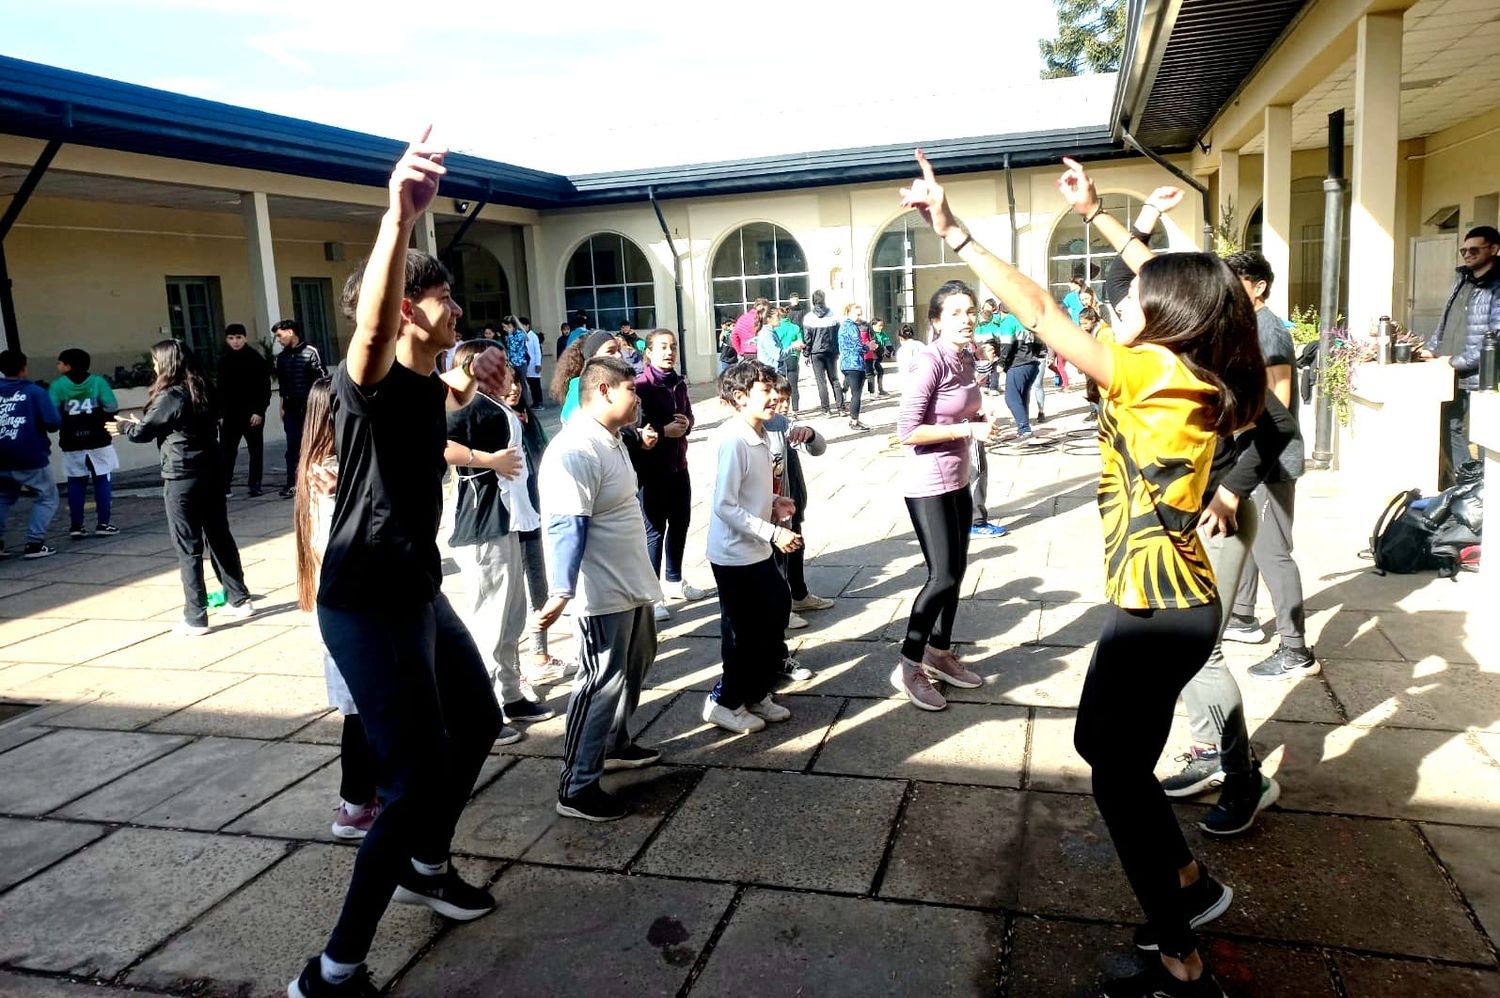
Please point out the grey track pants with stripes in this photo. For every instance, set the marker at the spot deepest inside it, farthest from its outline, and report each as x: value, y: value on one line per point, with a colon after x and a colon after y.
x: 615, y: 650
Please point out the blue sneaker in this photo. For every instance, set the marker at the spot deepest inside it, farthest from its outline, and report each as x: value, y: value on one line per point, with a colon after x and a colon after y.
x: 987, y: 530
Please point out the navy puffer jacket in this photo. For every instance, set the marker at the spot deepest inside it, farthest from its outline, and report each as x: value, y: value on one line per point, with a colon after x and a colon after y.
x: 1481, y: 314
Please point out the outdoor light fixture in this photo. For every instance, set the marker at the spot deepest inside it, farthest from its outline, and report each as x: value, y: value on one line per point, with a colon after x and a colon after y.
x: 462, y: 207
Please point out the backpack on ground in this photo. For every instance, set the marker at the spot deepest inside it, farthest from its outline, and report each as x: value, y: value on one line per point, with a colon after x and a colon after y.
x: 1401, y: 536
x: 1442, y: 532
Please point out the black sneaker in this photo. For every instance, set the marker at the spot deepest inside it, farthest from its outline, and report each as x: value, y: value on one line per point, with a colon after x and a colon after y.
x: 591, y: 803
x: 1285, y: 663
x: 106, y: 528
x: 631, y: 757
x: 1201, y: 771
x: 1239, y: 802
x: 255, y: 493
x: 310, y: 984
x: 1157, y: 983
x: 77, y: 533
x: 793, y: 671
x: 36, y: 549
x: 445, y: 894
x: 1041, y: 417
x: 1206, y: 900
x: 527, y: 710
x: 1244, y: 629
x: 287, y: 493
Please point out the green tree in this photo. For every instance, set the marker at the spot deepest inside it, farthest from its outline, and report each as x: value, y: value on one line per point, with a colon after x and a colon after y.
x: 1090, y: 37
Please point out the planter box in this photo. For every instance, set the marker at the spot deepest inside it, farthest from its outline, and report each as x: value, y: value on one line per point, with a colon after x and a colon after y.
x: 1394, y: 435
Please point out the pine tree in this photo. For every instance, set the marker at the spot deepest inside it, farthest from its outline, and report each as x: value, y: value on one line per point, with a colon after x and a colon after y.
x: 1090, y: 37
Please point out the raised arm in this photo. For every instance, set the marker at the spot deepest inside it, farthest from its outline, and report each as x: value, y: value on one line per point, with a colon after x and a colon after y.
x: 413, y: 185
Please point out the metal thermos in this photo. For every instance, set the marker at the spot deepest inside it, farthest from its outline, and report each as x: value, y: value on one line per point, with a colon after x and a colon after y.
x: 1386, y: 339
x: 1487, y: 372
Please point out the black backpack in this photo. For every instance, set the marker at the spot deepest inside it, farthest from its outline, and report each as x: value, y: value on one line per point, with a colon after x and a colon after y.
x: 1402, y: 536
x: 1414, y: 534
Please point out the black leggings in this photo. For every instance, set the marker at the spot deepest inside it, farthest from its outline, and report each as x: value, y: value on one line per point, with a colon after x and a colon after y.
x: 854, y: 381
x: 357, y: 763
x: 942, y: 526
x: 1142, y: 661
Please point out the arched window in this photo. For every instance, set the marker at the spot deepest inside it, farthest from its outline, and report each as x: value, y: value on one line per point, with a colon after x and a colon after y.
x: 1079, y: 251
x: 1305, y: 280
x: 610, y: 279
x: 909, y: 264
x: 760, y: 260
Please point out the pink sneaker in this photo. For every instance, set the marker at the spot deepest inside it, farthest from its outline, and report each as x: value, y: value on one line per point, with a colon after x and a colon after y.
x: 909, y: 678
x: 944, y: 666
x: 354, y: 824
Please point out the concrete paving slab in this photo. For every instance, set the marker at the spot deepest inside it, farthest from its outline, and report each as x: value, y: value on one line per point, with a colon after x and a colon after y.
x: 13, y: 587
x: 686, y: 663
x: 13, y: 632
x: 546, y: 737
x: 981, y: 621
x: 829, y: 833
x: 292, y: 652
x: 1426, y: 694
x: 123, y: 568
x: 217, y: 645
x: 13, y: 985
x: 16, y: 734
x: 204, y: 785
x: 1349, y: 634
x: 49, y: 772
x: 848, y: 668
x: 29, y: 846
x: 1440, y: 635
x: 798, y: 944
x: 304, y: 810
x: 966, y: 743
x: 85, y: 601
x: 957, y: 845
x: 126, y: 699
x: 82, y: 641
x: 700, y: 619
x: 1333, y: 881
x: 258, y: 940
x: 1370, y: 977
x: 901, y: 578
x: 1386, y: 772
x: 1068, y: 862
x: 828, y: 580
x: 132, y: 542
x: 95, y: 913
x: 1305, y: 700
x: 652, y: 931
x: 685, y: 739
x: 1010, y: 578
x: 853, y: 619
x: 1072, y: 625
x: 1054, y: 764
x: 1472, y: 858
x: 14, y: 676
x: 1031, y: 675
x: 259, y: 707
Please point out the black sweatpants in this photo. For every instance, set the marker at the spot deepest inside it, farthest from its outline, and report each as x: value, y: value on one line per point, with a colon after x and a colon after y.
x: 854, y: 381
x: 429, y: 713
x: 754, y: 607
x: 197, y: 517
x: 826, y: 376
x: 791, y: 565
x: 942, y: 526
x: 291, y: 423
x: 236, y: 425
x: 1143, y: 660
x: 666, y: 506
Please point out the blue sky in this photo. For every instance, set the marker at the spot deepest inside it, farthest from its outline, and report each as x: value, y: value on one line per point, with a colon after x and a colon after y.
x: 582, y: 85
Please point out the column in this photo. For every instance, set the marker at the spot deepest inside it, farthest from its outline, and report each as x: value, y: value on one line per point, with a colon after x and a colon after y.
x: 542, y: 319
x: 263, y: 293
x: 1229, y: 191
x: 1276, y: 205
x: 425, y: 234
x: 1377, y: 134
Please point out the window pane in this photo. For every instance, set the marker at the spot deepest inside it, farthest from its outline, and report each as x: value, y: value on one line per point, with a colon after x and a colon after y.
x: 609, y: 318
x: 725, y: 313
x: 639, y: 295
x: 760, y: 287
x: 637, y: 267
x: 729, y: 293
x: 760, y: 248
x: 609, y: 268
x: 577, y: 299
x: 926, y: 247
x: 727, y: 260
x: 797, y: 284
x: 890, y: 249
x: 789, y: 256
x: 580, y: 271
x: 645, y: 318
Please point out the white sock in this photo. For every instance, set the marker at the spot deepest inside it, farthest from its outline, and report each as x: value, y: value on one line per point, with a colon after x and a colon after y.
x: 430, y: 869
x: 352, y: 808
x: 334, y: 972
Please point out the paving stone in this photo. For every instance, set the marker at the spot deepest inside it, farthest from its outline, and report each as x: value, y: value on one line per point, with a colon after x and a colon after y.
x: 799, y: 944
x: 1433, y: 635
x: 49, y: 772
x: 1068, y: 862
x: 15, y: 676
x: 1472, y: 858
x: 1427, y: 694
x: 259, y: 707
x: 1033, y: 675
x: 1300, y: 700
x: 217, y: 645
x: 204, y: 785
x: 126, y: 699
x: 700, y: 619
x: 96, y: 912
x: 828, y: 580
x: 27, y: 986
x: 686, y: 663
x: 1386, y: 772
x: 546, y: 737
x: 957, y: 845
x: 13, y: 632
x: 259, y: 939
x: 848, y: 668
x: 684, y: 738
x: 980, y: 621
x: 29, y: 846
x: 828, y: 834
x: 82, y: 641
x: 1349, y: 634
x: 13, y: 735
x: 651, y: 930
x: 81, y: 601
x: 1370, y: 977
x: 1072, y: 625
x: 966, y: 743
x: 119, y: 568
x: 852, y: 620
x: 135, y: 542
x: 901, y: 578
x: 1054, y: 763
x: 1339, y: 882
x: 292, y: 652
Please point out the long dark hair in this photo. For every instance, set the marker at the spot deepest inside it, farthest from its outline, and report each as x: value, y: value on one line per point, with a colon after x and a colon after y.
x: 176, y: 364
x: 1194, y: 306
x: 942, y: 294
x: 317, y: 447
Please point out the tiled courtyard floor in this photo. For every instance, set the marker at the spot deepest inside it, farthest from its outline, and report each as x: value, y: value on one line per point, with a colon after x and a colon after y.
x: 164, y: 813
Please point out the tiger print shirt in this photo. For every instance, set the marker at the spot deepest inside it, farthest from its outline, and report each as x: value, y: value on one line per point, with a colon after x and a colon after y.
x: 1156, y: 445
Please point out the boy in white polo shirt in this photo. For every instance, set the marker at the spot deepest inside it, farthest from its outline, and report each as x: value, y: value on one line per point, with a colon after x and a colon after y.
x: 596, y: 558
x: 754, y: 601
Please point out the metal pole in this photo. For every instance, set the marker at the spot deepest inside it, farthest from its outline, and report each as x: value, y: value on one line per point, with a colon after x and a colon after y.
x: 676, y: 281
x: 1010, y: 200
x: 1186, y: 178
x: 1334, y: 188
x: 8, y: 325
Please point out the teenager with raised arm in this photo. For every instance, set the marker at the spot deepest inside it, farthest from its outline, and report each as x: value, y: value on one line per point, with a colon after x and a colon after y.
x: 1185, y: 368
x: 421, y: 687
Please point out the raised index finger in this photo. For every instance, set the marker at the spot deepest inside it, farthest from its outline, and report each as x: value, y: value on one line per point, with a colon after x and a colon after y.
x: 926, y: 167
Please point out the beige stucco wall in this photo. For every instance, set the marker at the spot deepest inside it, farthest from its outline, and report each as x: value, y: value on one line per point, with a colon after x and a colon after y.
x: 1461, y: 166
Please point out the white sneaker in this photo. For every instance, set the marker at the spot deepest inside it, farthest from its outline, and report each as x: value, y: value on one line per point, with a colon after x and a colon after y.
x: 682, y: 591
x: 740, y: 720
x: 662, y: 613
x: 770, y: 710
x: 795, y: 623
x: 243, y: 611
x: 191, y: 630
x: 812, y: 601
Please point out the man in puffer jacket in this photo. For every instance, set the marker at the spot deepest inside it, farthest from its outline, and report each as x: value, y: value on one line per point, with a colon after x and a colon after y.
x: 820, y: 331
x: 1458, y: 339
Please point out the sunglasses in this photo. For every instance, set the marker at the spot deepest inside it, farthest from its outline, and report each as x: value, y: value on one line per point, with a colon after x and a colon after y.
x: 1472, y: 250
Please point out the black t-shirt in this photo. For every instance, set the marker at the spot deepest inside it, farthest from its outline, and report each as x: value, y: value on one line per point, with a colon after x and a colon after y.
x: 479, y: 514
x: 382, y: 546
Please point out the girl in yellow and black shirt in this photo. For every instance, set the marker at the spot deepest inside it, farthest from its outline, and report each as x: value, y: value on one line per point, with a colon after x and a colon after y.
x: 1183, y: 367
